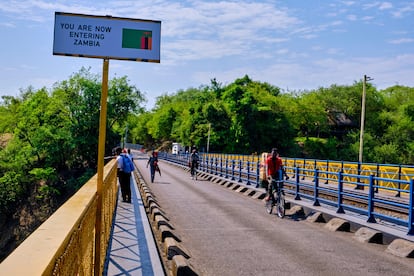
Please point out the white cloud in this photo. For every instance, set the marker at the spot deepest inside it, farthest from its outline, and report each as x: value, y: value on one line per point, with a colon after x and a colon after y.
x: 401, y: 41
x: 403, y: 11
x: 367, y: 18
x: 8, y: 24
x: 348, y: 3
x: 385, y: 6
x: 282, y: 51
x: 352, y: 17
x: 279, y: 42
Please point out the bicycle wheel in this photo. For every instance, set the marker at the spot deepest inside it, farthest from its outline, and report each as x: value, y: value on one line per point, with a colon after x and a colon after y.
x: 270, y: 204
x: 280, y: 205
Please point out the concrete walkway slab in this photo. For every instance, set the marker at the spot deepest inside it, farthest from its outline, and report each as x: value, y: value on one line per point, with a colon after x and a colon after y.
x: 132, y: 250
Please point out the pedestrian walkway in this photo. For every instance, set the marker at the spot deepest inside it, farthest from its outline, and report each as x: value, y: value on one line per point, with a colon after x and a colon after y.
x: 132, y: 250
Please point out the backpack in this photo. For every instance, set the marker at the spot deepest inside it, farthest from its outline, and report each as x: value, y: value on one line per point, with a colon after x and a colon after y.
x: 194, y: 157
x: 127, y: 165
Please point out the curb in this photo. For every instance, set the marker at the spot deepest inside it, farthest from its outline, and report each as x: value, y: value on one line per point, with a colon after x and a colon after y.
x: 396, y: 246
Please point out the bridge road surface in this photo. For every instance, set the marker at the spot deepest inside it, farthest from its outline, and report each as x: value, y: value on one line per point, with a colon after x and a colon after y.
x: 228, y: 233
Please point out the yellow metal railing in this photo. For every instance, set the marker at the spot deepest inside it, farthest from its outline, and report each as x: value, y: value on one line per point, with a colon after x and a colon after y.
x: 330, y: 169
x: 65, y: 243
x: 333, y: 167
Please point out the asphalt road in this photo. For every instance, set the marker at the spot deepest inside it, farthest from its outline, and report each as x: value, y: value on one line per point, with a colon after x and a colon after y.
x: 227, y: 233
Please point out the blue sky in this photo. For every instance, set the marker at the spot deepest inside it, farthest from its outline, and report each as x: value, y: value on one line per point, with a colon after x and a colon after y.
x: 292, y: 44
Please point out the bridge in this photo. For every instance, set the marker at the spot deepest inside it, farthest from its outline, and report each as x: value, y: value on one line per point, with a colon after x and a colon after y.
x: 217, y: 225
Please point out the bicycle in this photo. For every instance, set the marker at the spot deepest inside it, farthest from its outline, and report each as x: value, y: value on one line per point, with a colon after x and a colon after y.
x: 277, y: 198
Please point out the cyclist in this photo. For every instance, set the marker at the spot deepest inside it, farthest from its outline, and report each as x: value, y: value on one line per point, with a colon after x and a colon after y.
x: 274, y: 164
x: 193, y: 162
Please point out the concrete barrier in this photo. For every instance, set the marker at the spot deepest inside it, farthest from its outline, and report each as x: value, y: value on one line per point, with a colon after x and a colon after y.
x: 368, y: 235
x: 401, y: 248
x: 316, y: 218
x: 181, y: 267
x: 337, y: 224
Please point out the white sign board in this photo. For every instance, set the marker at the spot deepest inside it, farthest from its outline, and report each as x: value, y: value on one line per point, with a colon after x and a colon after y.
x: 106, y: 37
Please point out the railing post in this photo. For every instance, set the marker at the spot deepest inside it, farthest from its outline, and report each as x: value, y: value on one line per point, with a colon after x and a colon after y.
x: 216, y: 163
x: 370, y: 214
x: 294, y: 165
x: 340, y: 209
x: 316, y: 189
x: 359, y: 187
x: 226, y: 172
x: 304, y: 167
x: 240, y: 170
x: 206, y: 169
x: 248, y: 172
x: 411, y: 211
x: 207, y: 164
x: 232, y: 169
x: 327, y: 170
x: 221, y: 166
x: 399, y: 184
x: 314, y: 169
x: 297, y: 196
x: 257, y: 174
x: 376, y: 181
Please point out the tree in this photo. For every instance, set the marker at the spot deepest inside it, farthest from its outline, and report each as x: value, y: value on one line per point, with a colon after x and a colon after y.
x: 81, y: 97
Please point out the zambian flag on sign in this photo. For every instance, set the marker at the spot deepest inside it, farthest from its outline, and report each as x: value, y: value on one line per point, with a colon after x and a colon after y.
x: 136, y: 39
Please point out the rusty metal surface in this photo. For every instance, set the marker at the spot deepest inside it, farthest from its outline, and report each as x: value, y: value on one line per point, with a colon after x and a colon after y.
x: 64, y: 244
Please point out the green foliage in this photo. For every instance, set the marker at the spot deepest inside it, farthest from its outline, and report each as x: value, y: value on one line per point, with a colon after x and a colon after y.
x: 49, y: 139
x: 248, y: 116
x: 46, y: 177
x: 44, y: 174
x: 81, y: 95
x: 11, y: 191
x: 386, y: 154
x: 75, y: 182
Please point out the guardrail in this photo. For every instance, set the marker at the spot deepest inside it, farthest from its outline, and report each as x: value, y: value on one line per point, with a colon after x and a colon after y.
x: 371, y: 199
x: 309, y: 176
x: 65, y: 243
x: 356, y: 172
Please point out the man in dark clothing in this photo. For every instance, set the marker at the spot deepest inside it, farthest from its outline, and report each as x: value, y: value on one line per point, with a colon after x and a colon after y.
x: 124, y: 177
x: 153, y: 163
x: 194, y: 158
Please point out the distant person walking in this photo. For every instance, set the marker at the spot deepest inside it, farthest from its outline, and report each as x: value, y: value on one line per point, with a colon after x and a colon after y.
x: 153, y: 163
x: 130, y: 155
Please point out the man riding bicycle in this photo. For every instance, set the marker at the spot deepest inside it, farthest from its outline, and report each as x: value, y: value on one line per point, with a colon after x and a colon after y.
x: 274, y: 165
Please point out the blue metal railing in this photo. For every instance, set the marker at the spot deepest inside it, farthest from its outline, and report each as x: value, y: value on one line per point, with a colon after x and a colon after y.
x: 316, y: 177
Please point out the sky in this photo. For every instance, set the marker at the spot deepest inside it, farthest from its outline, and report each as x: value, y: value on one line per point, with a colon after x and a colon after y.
x: 296, y: 45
